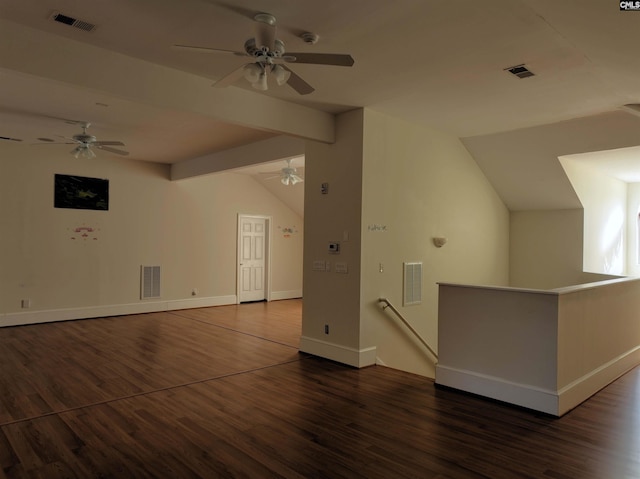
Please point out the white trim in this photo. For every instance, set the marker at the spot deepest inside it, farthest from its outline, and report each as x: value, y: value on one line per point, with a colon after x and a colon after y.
x: 524, y: 395
x: 551, y: 402
x: 47, y: 316
x: 586, y: 386
x: 293, y: 294
x: 358, y: 358
x: 267, y: 252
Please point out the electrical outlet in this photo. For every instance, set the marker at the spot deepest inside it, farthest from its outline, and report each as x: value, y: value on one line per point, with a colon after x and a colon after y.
x: 26, y: 303
x: 326, y: 329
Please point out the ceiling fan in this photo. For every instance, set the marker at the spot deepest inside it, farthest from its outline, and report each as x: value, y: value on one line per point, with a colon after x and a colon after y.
x: 288, y: 175
x: 85, y: 142
x: 268, y: 57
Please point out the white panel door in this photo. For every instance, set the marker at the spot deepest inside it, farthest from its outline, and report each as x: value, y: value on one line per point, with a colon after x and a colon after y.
x: 252, y: 260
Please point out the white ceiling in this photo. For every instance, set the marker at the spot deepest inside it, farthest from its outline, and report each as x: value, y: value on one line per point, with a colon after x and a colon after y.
x: 441, y: 64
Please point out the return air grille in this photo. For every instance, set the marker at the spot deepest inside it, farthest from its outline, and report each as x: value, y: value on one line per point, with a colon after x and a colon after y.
x: 72, y: 22
x: 412, y: 284
x: 149, y: 282
x: 520, y: 71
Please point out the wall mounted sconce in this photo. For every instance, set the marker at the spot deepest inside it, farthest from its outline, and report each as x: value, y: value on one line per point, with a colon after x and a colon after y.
x: 439, y: 241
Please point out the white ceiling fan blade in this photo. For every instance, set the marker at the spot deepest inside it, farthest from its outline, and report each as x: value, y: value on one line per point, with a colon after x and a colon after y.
x: 230, y: 78
x: 71, y: 140
x: 113, y: 150
x: 296, y: 179
x: 336, y: 59
x: 196, y: 49
x: 298, y: 84
x: 108, y: 143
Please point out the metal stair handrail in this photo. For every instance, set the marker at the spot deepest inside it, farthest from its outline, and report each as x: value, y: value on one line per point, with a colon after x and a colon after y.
x: 387, y: 304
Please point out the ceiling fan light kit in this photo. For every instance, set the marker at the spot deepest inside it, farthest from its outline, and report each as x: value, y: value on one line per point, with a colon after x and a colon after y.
x: 268, y: 55
x: 282, y: 76
x: 289, y: 175
x: 83, y: 152
x: 261, y: 84
x: 252, y: 72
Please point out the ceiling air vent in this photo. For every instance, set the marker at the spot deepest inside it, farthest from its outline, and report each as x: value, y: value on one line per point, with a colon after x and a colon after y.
x: 520, y: 71
x: 72, y: 22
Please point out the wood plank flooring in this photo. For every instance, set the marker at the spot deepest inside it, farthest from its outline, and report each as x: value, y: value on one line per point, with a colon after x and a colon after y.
x: 223, y: 392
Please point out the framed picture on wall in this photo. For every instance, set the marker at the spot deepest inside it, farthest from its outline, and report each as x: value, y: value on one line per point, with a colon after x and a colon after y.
x: 80, y: 192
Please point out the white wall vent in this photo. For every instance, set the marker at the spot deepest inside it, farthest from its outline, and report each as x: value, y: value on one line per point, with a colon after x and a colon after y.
x: 149, y: 282
x: 72, y: 22
x: 412, y: 284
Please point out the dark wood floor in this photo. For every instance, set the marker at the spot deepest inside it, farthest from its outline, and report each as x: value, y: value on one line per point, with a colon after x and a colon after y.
x: 223, y: 392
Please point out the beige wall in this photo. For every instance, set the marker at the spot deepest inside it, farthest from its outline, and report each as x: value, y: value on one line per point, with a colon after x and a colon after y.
x: 332, y: 298
x: 604, y: 199
x: 187, y: 227
x: 546, y: 249
x: 407, y: 183
x: 420, y: 183
x: 633, y: 238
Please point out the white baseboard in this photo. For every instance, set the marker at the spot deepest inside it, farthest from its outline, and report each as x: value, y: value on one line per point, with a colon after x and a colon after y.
x: 293, y: 294
x: 358, y: 358
x: 557, y: 402
x: 495, y: 388
x: 51, y: 315
x: 586, y: 386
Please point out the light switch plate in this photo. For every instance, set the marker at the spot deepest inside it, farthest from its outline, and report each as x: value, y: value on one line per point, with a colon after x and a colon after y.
x: 341, y: 268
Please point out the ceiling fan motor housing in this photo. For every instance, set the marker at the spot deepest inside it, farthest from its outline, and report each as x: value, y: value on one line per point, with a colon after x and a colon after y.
x: 84, y: 138
x: 253, y: 50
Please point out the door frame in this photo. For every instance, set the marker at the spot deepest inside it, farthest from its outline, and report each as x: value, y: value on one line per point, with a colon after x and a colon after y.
x: 267, y: 254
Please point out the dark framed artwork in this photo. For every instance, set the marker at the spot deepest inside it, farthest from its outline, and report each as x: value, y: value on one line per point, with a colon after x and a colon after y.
x: 81, y: 193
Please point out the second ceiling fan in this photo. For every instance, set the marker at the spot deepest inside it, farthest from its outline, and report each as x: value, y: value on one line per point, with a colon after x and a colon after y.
x: 85, y: 142
x: 269, y: 57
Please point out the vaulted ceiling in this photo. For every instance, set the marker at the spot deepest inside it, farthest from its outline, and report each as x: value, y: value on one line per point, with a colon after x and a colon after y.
x: 440, y: 64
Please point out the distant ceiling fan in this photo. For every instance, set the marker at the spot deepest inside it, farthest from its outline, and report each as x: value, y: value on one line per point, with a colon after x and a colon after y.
x: 85, y: 142
x: 288, y: 175
x: 268, y: 58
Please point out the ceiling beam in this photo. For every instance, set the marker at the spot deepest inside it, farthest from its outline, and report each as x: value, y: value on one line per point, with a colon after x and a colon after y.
x: 272, y: 149
x: 53, y: 57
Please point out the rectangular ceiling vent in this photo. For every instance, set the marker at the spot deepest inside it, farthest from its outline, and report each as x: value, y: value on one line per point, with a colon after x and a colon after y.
x: 72, y: 22
x: 520, y: 71
x: 149, y: 282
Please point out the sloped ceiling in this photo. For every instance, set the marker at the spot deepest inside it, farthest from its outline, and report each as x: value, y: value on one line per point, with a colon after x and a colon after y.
x: 441, y: 64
